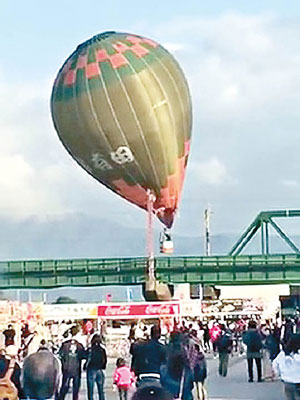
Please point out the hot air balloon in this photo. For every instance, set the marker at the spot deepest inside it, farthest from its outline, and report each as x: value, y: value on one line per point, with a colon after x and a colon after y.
x: 121, y: 107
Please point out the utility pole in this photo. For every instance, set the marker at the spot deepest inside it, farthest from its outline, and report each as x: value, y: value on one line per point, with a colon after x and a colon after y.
x: 207, y: 247
x: 208, y: 291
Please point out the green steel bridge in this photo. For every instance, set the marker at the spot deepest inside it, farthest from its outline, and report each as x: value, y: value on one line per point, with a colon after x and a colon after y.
x: 232, y: 269
x: 219, y: 270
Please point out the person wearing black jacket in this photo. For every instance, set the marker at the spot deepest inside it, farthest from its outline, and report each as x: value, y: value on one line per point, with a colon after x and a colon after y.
x: 71, y: 354
x: 96, y: 364
x: 147, y: 357
x: 254, y: 344
x: 224, y: 346
x: 177, y: 377
x: 9, y: 335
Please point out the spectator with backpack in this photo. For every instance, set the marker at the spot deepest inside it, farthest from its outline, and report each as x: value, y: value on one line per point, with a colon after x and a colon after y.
x: 95, y: 366
x: 71, y: 354
x: 224, y: 345
x: 254, y: 344
x: 148, y: 356
x: 198, y: 365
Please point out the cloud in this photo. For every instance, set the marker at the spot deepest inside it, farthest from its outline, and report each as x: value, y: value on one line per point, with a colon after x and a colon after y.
x: 174, y: 47
x: 243, y: 72
x: 26, y: 191
x: 211, y: 172
x: 38, y: 177
x: 34, y: 168
x: 290, y: 183
x: 238, y: 66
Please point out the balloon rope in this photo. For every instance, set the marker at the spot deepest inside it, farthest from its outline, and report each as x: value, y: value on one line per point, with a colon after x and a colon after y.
x: 149, y: 240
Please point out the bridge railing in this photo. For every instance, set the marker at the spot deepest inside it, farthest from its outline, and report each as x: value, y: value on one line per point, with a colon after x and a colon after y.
x: 231, y: 269
x: 122, y: 271
x: 51, y: 273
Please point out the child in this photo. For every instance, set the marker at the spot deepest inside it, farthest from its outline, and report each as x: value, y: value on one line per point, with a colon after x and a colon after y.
x: 123, y: 378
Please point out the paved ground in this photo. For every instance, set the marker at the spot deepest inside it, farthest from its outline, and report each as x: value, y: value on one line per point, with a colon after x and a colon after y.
x: 234, y: 387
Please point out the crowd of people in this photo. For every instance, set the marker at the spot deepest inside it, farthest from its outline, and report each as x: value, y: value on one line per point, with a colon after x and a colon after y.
x: 171, y: 364
x: 273, y: 347
x: 176, y: 367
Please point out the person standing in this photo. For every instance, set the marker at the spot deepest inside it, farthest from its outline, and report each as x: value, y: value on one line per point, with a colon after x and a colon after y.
x: 123, y: 378
x: 224, y: 345
x: 96, y: 364
x: 297, y: 323
x: 253, y: 341
x: 206, y: 338
x: 288, y: 330
x: 71, y: 354
x: 137, y: 356
x: 214, y: 333
x: 131, y: 335
x: 26, y: 339
x: 269, y: 352
x: 41, y: 374
x: 9, y: 335
x: 287, y: 366
x: 148, y: 357
x: 177, y: 377
x: 197, y: 364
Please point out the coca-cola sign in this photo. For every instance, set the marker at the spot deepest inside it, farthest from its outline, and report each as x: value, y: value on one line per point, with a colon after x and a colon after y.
x: 117, y: 310
x: 139, y: 310
x: 159, y: 309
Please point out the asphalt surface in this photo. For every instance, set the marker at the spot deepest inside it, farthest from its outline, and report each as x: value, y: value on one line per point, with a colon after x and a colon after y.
x: 233, y: 387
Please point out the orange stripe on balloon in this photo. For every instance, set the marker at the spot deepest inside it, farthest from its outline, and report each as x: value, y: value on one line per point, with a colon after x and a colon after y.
x: 166, y: 205
x: 150, y: 42
x: 117, y: 60
x: 81, y: 62
x: 139, y: 50
x: 133, y: 193
x: 133, y: 39
x: 67, y: 66
x: 187, y: 147
x: 120, y: 47
x: 92, y: 70
x: 101, y: 55
x: 164, y: 199
x: 70, y: 77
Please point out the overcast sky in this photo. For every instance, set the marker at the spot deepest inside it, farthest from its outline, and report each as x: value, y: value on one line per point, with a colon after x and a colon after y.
x: 242, y: 62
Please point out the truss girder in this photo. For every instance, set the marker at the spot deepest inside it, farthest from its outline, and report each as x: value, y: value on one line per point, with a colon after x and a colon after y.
x: 216, y: 270
x: 261, y: 222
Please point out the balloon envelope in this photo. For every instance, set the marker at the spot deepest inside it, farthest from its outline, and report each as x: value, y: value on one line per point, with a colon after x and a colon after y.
x: 121, y: 107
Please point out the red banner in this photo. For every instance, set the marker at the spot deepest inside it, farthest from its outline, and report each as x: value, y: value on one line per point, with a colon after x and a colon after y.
x: 139, y: 310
